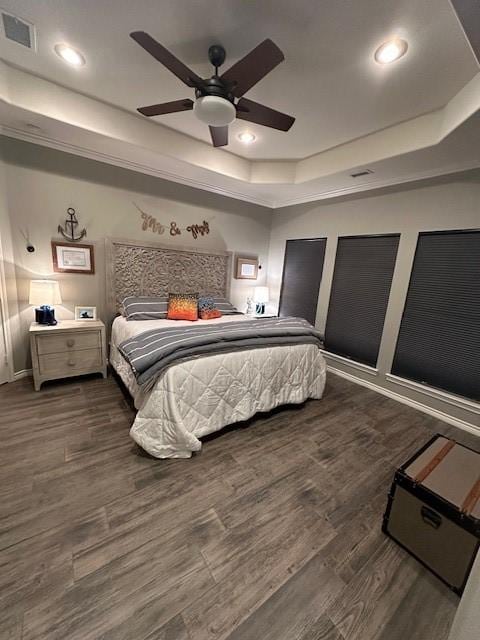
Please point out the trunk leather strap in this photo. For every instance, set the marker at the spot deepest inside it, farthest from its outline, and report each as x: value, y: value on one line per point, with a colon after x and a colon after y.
x: 434, y: 462
x: 472, y: 498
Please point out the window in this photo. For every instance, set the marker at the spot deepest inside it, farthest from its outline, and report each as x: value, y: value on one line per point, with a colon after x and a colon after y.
x: 302, y: 274
x: 439, y: 338
x: 358, y: 300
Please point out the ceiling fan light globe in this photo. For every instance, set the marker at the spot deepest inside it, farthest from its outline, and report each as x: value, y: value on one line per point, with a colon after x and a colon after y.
x: 214, y: 111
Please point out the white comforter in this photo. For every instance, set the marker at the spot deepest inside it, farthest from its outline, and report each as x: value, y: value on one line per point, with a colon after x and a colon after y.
x: 203, y: 395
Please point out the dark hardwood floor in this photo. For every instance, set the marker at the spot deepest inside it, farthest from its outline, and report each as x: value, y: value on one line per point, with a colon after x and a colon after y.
x: 271, y: 532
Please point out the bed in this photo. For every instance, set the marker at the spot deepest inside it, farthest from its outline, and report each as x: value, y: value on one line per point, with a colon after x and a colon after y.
x: 199, y: 395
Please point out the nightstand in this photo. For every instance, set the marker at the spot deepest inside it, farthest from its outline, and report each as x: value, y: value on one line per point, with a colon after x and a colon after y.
x: 69, y: 348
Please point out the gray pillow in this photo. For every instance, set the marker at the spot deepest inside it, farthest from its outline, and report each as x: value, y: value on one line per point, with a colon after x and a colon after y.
x: 225, y: 306
x: 145, y: 307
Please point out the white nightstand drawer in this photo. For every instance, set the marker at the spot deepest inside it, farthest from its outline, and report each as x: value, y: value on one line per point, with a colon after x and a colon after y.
x: 64, y: 364
x: 72, y: 341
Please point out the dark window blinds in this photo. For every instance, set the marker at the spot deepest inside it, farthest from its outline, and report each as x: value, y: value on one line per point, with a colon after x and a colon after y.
x: 439, y: 338
x: 302, y: 274
x: 358, y: 300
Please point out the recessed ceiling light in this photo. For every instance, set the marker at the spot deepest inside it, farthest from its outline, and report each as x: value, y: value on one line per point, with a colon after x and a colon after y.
x: 391, y: 50
x: 69, y: 55
x: 246, y: 137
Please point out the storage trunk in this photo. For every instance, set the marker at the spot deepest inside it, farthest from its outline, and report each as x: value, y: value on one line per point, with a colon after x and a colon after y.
x: 433, y: 509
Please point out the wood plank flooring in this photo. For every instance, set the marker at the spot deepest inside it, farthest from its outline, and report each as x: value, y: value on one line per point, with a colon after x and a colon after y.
x: 271, y: 532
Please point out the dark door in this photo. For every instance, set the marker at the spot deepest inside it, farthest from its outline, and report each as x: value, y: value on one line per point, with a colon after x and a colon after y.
x: 302, y: 274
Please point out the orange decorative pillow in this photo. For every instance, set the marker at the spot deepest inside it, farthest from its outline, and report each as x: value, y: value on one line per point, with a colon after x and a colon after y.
x: 209, y: 314
x: 207, y: 309
x: 182, y: 306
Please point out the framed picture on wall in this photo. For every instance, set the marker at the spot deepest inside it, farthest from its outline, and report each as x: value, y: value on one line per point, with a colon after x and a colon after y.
x: 247, y: 269
x: 72, y: 257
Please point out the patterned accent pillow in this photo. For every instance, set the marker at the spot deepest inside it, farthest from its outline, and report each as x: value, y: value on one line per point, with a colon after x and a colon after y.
x: 205, y: 303
x: 209, y: 314
x: 207, y: 309
x: 145, y: 307
x: 182, y: 306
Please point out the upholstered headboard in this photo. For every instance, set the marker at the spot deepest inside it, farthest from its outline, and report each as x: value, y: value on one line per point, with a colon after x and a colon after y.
x: 148, y: 269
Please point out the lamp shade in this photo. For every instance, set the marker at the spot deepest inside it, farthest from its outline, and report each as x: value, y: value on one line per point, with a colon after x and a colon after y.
x: 260, y: 295
x: 44, y: 292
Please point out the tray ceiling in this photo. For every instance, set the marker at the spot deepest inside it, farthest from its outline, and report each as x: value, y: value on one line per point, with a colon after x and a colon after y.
x: 406, y: 121
x: 329, y: 80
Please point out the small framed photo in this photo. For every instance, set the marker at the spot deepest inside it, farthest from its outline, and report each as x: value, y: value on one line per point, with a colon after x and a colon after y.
x: 247, y: 269
x: 72, y: 257
x: 85, y: 313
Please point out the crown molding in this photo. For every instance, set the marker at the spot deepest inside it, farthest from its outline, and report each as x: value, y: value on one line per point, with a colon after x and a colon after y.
x: 164, y: 174
x: 376, y: 184
x: 22, y: 94
x: 67, y: 147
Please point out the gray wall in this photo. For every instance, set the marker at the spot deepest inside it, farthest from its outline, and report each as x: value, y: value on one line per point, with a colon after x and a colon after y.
x: 449, y: 203
x: 7, y: 261
x: 41, y: 183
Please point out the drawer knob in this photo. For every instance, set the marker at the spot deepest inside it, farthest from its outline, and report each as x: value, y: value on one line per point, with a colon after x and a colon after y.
x: 70, y: 342
x: 71, y: 363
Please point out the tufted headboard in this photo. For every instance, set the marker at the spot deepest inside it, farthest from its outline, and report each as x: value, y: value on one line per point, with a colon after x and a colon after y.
x: 138, y: 268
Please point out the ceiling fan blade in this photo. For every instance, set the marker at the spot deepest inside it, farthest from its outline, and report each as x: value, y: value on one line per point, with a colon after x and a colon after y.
x: 253, y: 67
x: 219, y: 136
x: 166, y: 107
x: 168, y: 60
x: 260, y: 114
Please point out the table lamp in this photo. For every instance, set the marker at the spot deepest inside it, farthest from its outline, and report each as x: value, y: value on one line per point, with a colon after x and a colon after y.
x: 44, y: 293
x: 260, y: 297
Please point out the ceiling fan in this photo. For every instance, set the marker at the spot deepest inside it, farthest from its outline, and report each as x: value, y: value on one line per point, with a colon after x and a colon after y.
x: 215, y: 97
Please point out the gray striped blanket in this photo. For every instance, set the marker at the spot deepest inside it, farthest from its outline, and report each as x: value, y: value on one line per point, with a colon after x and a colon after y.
x: 151, y: 352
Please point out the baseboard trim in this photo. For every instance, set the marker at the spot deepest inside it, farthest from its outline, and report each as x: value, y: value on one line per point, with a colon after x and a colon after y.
x: 372, y: 371
x: 23, y: 373
x: 436, y: 413
x: 444, y: 396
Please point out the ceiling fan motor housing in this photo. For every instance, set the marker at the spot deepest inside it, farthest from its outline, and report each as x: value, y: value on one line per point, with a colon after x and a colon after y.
x: 215, y: 102
x: 215, y: 86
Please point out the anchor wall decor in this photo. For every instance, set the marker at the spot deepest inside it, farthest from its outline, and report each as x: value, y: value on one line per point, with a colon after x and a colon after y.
x: 70, y: 226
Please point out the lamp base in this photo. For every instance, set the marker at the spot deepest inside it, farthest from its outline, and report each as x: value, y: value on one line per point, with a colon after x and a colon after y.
x: 260, y: 308
x: 45, y: 315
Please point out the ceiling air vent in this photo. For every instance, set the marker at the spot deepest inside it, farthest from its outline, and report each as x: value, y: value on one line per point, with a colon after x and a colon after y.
x: 366, y: 172
x: 18, y: 30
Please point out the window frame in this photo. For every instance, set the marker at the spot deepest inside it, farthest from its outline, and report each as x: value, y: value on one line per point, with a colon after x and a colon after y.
x: 316, y: 239
x: 423, y: 385
x: 350, y: 359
